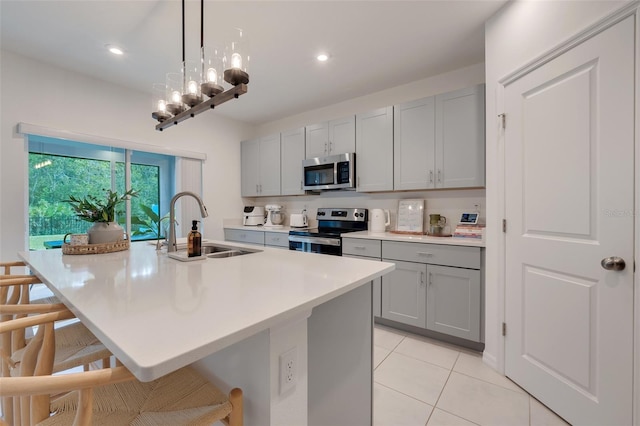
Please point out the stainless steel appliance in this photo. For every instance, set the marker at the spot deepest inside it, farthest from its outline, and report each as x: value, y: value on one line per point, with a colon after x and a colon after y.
x: 332, y: 223
x: 332, y: 172
x: 253, y: 216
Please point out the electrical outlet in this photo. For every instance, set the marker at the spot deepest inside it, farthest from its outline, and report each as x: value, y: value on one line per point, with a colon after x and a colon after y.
x: 288, y: 370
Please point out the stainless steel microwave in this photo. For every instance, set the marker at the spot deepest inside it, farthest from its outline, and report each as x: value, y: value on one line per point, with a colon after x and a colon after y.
x: 332, y: 172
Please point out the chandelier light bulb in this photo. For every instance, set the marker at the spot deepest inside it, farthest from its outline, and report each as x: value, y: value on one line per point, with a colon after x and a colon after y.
x: 236, y: 61
x: 162, y: 105
x: 193, y: 87
x: 212, y: 75
x: 176, y: 97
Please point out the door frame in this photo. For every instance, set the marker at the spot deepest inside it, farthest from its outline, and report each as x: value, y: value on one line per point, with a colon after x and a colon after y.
x: 631, y: 9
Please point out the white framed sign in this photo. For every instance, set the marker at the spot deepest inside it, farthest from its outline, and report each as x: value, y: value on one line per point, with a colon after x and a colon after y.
x: 410, y: 215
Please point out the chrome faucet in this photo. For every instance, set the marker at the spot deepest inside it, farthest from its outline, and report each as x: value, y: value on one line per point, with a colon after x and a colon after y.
x: 171, y: 245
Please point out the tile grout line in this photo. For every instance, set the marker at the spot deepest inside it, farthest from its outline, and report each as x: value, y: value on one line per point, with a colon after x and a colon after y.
x: 494, y: 384
x: 435, y: 405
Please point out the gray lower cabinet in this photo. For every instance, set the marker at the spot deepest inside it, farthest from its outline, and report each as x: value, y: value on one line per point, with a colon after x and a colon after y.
x: 242, y: 236
x: 366, y: 249
x: 376, y: 304
x: 404, y: 293
x: 276, y: 239
x: 454, y: 301
x: 435, y: 287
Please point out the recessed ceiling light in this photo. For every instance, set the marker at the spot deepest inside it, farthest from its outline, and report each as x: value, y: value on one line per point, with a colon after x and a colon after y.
x: 322, y: 57
x: 115, y: 50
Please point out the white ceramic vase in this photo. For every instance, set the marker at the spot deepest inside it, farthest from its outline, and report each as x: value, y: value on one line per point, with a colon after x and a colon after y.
x: 105, y: 232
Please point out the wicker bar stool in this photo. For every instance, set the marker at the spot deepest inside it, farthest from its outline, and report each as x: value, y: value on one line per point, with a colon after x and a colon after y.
x: 75, y: 344
x: 112, y: 396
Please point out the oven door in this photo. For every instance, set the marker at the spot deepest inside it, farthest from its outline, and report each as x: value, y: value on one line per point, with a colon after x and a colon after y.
x: 322, y: 245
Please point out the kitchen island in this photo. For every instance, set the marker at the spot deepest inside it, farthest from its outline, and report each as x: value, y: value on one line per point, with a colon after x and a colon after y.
x: 234, y: 318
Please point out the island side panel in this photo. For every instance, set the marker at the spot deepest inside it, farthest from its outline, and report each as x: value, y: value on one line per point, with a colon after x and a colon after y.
x: 340, y: 369
x: 245, y: 365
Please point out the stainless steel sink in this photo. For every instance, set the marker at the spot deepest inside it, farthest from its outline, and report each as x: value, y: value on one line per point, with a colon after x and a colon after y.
x: 230, y: 253
x: 210, y: 248
x: 213, y: 251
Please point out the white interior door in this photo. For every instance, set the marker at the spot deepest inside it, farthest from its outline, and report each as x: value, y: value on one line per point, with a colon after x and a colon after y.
x: 569, y: 151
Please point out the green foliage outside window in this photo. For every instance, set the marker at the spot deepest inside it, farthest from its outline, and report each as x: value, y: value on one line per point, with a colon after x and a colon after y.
x: 54, y: 178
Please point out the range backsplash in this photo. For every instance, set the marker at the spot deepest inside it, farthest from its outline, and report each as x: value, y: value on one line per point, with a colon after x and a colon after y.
x: 449, y: 203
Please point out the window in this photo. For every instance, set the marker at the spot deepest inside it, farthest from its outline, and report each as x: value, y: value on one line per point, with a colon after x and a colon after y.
x: 59, y: 168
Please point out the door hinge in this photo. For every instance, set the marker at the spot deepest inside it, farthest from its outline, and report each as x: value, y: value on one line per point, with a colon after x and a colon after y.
x: 504, y: 225
x: 504, y: 328
x: 503, y: 120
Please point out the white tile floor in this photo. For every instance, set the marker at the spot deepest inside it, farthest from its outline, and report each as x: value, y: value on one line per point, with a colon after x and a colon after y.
x: 421, y: 381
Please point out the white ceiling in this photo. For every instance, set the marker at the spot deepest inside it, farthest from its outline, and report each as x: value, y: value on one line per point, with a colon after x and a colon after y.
x: 374, y: 45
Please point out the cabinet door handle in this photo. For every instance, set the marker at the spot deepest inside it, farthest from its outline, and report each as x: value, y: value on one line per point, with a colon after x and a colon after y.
x: 439, y: 176
x: 261, y: 188
x: 424, y: 253
x: 325, y: 148
x: 430, y: 278
x: 359, y: 247
x: 330, y: 146
x: 430, y: 176
x: 256, y: 188
x: 300, y: 184
x: 422, y: 278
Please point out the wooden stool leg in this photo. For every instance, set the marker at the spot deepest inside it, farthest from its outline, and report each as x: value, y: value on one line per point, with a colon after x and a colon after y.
x: 236, y: 417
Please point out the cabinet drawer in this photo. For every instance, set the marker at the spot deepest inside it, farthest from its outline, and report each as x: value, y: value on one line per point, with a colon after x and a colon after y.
x: 280, y: 239
x: 251, y: 237
x: 359, y: 247
x: 437, y: 254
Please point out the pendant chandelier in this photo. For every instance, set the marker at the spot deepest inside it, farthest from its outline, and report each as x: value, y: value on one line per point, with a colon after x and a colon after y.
x: 182, y: 95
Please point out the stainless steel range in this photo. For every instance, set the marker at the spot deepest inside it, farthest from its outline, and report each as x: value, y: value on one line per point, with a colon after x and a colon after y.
x: 332, y: 223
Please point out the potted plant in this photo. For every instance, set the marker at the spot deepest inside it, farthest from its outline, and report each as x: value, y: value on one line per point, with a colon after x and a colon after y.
x: 149, y: 225
x: 102, y: 213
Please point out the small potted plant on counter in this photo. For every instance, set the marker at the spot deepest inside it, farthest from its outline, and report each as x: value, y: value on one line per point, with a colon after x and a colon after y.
x: 102, y: 213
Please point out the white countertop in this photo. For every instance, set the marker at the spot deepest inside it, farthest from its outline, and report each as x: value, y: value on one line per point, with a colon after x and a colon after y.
x: 158, y: 314
x: 388, y: 236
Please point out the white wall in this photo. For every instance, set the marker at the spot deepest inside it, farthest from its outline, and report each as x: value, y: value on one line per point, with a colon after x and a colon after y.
x: 463, y: 77
x: 40, y: 94
x: 517, y: 34
x: 450, y: 203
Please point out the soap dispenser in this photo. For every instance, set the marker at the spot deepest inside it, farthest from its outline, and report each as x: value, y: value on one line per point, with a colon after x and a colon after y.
x: 194, y: 241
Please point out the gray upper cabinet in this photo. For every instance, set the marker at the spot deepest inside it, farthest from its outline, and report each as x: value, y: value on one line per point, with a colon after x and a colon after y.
x: 439, y: 141
x: 331, y: 137
x: 260, y: 162
x: 374, y: 150
x: 292, y: 148
x: 250, y: 158
x: 460, y: 138
x: 431, y: 143
x: 414, y: 144
x: 317, y: 140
